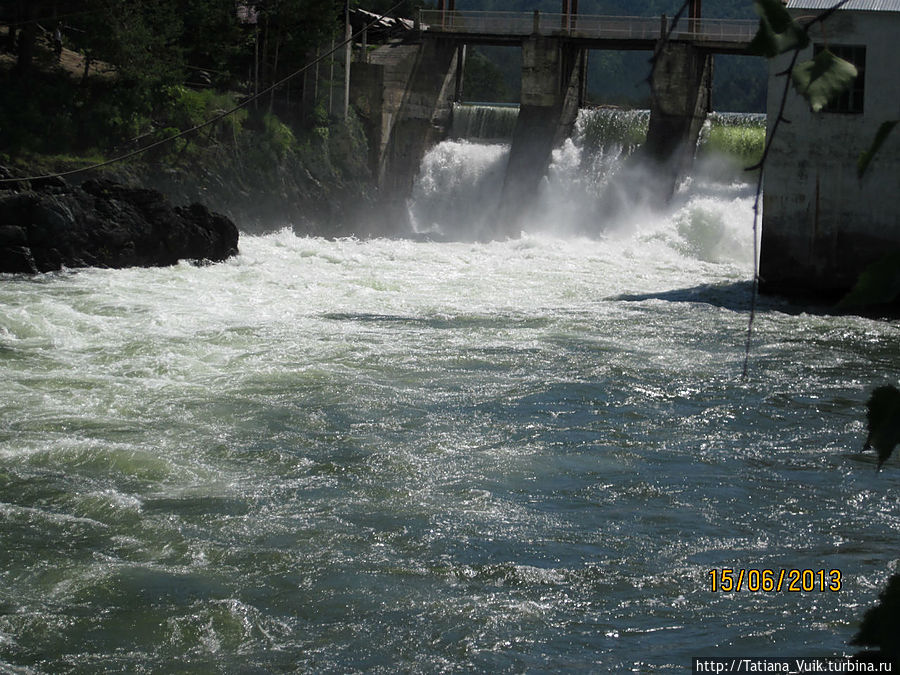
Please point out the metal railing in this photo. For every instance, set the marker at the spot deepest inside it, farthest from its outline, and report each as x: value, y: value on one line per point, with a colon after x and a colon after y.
x: 513, y: 24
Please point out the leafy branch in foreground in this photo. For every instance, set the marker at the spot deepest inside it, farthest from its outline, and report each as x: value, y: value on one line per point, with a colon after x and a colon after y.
x: 823, y: 78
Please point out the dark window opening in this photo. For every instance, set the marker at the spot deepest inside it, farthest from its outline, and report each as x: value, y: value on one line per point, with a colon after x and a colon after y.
x: 852, y: 100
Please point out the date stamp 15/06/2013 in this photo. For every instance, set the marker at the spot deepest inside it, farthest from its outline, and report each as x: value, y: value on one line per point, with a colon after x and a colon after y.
x: 727, y: 580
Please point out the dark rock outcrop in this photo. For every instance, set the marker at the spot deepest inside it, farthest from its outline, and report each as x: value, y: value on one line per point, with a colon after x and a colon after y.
x: 52, y: 225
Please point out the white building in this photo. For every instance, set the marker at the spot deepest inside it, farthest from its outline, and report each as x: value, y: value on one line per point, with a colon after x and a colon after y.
x: 822, y: 225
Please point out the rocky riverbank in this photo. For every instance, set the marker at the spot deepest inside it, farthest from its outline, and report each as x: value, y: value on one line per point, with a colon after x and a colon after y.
x: 49, y: 225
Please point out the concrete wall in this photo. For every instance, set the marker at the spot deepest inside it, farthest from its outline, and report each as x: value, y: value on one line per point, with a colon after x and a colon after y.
x: 552, y: 76
x: 821, y: 225
x: 377, y: 89
x: 404, y: 95
x: 681, y: 85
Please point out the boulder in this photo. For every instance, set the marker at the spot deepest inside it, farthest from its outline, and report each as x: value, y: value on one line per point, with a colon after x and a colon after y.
x: 51, y: 225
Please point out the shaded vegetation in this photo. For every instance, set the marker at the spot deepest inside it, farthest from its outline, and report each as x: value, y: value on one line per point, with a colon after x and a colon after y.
x: 483, y: 80
x: 129, y: 74
x: 742, y: 142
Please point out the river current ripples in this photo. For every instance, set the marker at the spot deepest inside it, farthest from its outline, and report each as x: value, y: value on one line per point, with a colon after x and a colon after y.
x: 523, y: 455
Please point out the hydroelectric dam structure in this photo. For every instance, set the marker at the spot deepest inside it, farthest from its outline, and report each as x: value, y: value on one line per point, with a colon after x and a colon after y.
x: 405, y: 92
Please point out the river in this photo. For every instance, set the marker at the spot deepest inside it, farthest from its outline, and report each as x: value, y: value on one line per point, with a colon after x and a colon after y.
x: 438, y: 454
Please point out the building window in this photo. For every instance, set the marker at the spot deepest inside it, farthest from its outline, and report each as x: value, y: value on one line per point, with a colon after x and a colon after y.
x: 851, y: 101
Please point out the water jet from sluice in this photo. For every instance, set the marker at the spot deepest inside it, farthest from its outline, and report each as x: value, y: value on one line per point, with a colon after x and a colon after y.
x: 594, y: 185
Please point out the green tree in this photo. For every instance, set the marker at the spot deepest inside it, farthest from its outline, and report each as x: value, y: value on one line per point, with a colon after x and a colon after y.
x: 139, y: 39
x: 483, y: 80
x: 213, y: 40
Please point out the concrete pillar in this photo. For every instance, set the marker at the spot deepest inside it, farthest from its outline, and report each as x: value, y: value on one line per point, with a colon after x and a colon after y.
x: 680, y: 101
x: 421, y: 115
x: 551, y: 92
x: 460, y: 70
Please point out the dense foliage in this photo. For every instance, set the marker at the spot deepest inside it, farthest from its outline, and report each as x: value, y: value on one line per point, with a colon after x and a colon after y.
x: 94, y: 74
x: 127, y: 75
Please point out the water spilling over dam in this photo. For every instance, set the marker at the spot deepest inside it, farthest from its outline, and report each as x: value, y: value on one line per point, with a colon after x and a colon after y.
x: 590, y: 188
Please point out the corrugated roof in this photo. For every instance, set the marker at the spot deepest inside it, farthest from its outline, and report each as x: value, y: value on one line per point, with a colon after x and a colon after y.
x: 863, y: 5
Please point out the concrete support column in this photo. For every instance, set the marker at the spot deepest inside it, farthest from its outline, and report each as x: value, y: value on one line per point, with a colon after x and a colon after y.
x: 680, y: 91
x: 420, y: 118
x: 460, y: 69
x: 551, y: 92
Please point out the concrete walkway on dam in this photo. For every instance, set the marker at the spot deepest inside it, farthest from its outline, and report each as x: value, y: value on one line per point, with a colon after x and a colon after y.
x: 721, y: 36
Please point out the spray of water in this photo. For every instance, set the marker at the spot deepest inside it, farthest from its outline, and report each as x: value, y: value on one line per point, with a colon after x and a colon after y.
x: 457, y: 193
x: 590, y: 190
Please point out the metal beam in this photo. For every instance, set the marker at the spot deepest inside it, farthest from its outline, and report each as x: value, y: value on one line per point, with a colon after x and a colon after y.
x: 695, y: 10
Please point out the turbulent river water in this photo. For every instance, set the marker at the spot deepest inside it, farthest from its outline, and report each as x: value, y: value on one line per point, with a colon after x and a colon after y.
x: 438, y: 456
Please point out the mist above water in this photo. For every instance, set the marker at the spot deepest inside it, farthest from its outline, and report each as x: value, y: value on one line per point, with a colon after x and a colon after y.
x: 590, y: 190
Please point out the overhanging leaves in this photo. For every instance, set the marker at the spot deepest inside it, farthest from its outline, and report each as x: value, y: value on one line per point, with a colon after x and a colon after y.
x: 884, y: 421
x: 880, y: 137
x: 778, y: 32
x: 823, y: 79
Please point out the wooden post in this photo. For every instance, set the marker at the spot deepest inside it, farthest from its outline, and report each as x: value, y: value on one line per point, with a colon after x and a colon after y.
x: 537, y: 22
x: 255, y: 67
x: 695, y: 11
x: 348, y: 54
x: 565, y: 15
x: 315, y: 100
x: 331, y: 80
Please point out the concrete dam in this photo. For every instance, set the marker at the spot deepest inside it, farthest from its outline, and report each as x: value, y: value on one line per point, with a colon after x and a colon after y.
x: 405, y: 91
